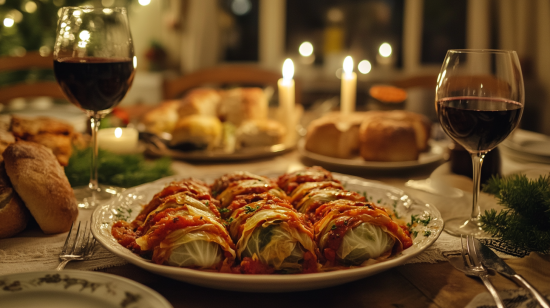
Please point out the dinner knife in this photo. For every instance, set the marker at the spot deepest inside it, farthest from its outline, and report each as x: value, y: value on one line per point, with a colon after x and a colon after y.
x: 494, y: 262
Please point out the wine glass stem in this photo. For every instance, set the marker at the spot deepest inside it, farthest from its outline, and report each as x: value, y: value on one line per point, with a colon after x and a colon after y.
x: 95, y: 121
x: 477, y: 162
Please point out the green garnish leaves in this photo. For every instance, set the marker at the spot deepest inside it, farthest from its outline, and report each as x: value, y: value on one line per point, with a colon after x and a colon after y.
x: 115, y: 169
x: 427, y: 233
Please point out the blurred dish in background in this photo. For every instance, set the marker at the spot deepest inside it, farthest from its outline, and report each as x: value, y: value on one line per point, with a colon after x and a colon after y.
x: 214, y: 124
x: 385, y: 97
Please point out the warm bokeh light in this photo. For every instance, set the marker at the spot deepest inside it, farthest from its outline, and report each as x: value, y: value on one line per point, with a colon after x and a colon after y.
x: 348, y: 65
x: 364, y: 67
x: 84, y: 35
x: 306, y: 49
x: 30, y: 7
x: 8, y: 22
x: 118, y: 132
x: 385, y: 50
x: 144, y: 2
x: 288, y: 69
x: 241, y: 7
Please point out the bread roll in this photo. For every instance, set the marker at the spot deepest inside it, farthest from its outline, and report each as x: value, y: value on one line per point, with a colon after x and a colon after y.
x: 13, y: 213
x: 197, y: 132
x: 387, y: 140
x: 163, y: 118
x: 201, y: 101
x: 334, y: 135
x: 254, y: 133
x: 41, y: 182
x: 6, y: 138
x: 241, y: 104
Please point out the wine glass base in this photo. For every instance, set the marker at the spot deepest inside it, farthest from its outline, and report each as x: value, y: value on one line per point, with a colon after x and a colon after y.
x: 87, y: 198
x: 463, y: 226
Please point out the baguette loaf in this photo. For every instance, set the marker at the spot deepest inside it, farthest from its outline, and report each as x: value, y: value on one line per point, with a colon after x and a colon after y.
x: 13, y: 213
x: 41, y: 182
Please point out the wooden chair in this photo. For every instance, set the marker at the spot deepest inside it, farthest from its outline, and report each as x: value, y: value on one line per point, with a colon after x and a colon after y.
x: 225, y: 75
x: 28, y: 89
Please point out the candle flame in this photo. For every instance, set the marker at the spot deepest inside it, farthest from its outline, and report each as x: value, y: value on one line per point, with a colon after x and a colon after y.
x: 348, y: 65
x: 118, y: 132
x: 288, y: 69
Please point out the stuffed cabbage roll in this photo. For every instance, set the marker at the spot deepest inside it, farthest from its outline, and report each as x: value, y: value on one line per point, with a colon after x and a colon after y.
x: 246, y: 187
x: 319, y: 196
x: 193, y: 187
x: 221, y: 183
x: 182, y: 232
x: 304, y: 189
x: 289, y: 181
x: 352, y: 233
x: 271, y: 236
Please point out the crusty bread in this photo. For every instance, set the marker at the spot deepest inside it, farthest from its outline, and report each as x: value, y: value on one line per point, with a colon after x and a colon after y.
x: 197, y: 132
x: 335, y: 135
x: 6, y: 138
x: 162, y: 118
x: 13, y: 213
x: 387, y: 140
x: 54, y: 134
x: 201, y: 101
x: 241, y: 104
x: 254, y: 133
x: 41, y: 182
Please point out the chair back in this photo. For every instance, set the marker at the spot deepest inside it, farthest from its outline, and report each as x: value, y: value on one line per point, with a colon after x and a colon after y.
x: 224, y: 75
x: 31, y: 60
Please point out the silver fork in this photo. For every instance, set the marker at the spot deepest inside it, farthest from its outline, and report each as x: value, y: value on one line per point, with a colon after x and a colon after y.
x: 80, y: 247
x: 473, y: 267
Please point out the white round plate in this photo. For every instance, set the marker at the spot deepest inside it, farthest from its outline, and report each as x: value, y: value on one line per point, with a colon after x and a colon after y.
x: 128, y: 204
x: 527, y: 146
x: 70, y: 288
x: 435, y: 154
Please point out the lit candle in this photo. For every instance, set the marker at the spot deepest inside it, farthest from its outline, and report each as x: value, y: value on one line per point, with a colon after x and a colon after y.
x: 349, y: 87
x: 118, y: 140
x: 287, y: 96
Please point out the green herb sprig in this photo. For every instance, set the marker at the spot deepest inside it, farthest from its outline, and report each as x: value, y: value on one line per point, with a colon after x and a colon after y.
x: 525, y: 220
x: 114, y: 169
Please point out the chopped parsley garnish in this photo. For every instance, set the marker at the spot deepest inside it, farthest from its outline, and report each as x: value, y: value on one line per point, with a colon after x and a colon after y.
x: 223, y: 210
x: 248, y: 209
x: 333, y: 227
x: 427, y: 233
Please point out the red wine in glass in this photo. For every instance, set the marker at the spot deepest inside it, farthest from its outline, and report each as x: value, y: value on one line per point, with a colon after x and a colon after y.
x: 94, y: 84
x: 479, y: 124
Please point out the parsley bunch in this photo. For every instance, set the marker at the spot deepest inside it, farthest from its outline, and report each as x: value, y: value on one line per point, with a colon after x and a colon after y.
x: 525, y: 220
x: 114, y: 169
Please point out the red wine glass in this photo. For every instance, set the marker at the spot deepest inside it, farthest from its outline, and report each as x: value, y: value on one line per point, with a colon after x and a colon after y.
x: 479, y: 101
x: 94, y: 64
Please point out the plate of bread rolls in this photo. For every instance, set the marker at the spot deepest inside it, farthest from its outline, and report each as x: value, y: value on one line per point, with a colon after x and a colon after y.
x: 393, y: 139
x: 210, y: 124
x: 301, y: 230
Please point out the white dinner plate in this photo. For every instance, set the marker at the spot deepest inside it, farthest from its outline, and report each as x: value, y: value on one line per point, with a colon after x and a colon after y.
x: 405, y: 206
x: 527, y: 146
x: 436, y: 153
x: 70, y: 288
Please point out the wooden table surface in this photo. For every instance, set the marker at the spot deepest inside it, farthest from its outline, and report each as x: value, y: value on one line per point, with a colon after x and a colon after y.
x: 410, y: 285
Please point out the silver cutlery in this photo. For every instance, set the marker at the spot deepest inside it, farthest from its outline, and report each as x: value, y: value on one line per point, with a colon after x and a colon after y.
x: 494, y: 262
x: 80, y: 247
x: 470, y: 265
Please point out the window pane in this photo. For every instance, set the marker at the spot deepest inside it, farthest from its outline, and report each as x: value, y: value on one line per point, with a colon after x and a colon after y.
x: 239, y: 23
x: 444, y: 28
x: 357, y: 27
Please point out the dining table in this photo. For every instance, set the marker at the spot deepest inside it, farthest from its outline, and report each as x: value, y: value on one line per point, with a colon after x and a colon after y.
x: 427, y: 280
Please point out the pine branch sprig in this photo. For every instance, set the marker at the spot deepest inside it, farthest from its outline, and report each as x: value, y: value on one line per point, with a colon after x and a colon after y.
x: 525, y: 220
